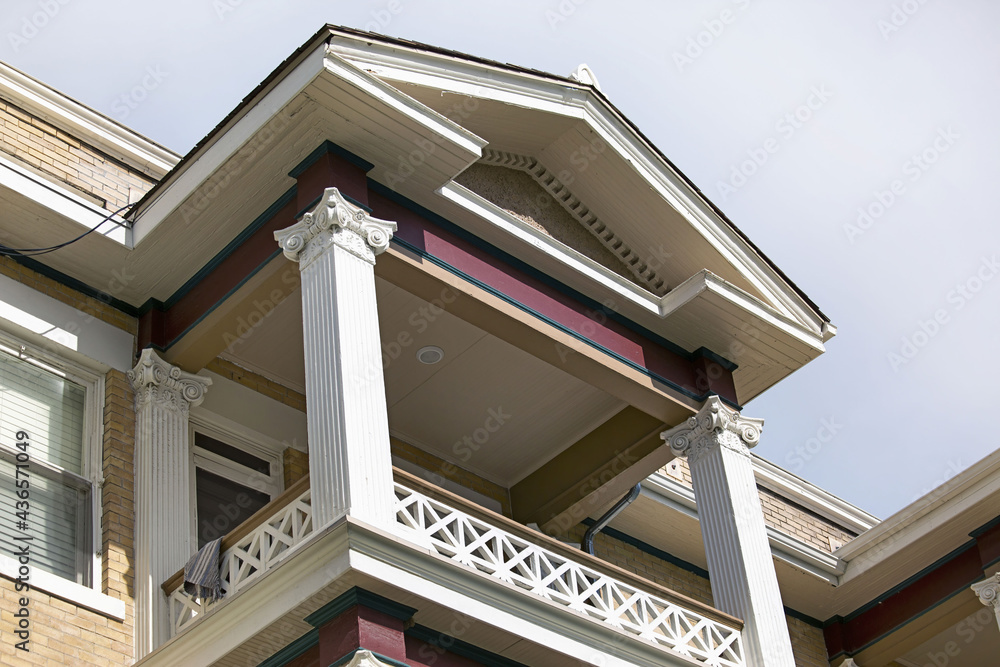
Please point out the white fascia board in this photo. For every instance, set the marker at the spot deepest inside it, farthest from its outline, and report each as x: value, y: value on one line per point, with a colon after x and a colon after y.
x: 85, y: 123
x: 786, y: 548
x: 531, y: 91
x: 810, y: 496
x: 64, y: 589
x: 62, y: 202
x: 405, y: 105
x: 434, y: 70
x: 977, y: 486
x: 696, y: 210
x: 490, y: 601
x: 199, y: 169
x: 588, y: 268
x: 604, y: 278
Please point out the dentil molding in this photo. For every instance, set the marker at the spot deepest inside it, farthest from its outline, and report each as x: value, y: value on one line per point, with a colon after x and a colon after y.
x: 715, y: 425
x: 334, y: 221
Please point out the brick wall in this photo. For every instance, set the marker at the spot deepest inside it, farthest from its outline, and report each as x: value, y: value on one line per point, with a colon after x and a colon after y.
x: 780, y: 513
x: 61, y: 632
x: 295, y: 465
x: 55, y: 154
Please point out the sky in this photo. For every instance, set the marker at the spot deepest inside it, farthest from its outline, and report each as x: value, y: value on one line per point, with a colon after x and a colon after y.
x: 854, y: 142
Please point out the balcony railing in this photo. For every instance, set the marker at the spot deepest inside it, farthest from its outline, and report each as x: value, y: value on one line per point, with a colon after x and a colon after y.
x: 496, y: 546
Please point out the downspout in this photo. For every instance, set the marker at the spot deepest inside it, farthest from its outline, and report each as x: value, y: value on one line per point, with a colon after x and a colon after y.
x: 598, y: 526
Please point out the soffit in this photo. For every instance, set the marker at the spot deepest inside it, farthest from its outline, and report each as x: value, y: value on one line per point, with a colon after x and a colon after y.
x: 487, y: 406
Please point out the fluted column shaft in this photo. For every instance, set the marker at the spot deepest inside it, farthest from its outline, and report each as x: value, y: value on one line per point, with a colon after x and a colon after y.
x: 164, y: 395
x: 350, y: 465
x: 717, y: 444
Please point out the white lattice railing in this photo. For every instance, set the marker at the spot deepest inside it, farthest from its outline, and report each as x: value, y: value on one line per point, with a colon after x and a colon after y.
x: 507, y: 557
x: 252, y: 556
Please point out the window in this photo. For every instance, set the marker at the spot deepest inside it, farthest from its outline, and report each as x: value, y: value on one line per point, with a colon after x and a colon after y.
x: 56, y: 406
x: 234, y: 478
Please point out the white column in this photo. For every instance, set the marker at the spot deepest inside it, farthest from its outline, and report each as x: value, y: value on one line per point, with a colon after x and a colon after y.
x: 350, y: 466
x: 164, y: 395
x: 989, y: 593
x: 717, y: 443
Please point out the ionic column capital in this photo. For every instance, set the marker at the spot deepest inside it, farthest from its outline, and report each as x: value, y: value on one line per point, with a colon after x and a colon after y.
x: 334, y: 221
x: 157, y: 382
x: 988, y: 591
x: 715, y: 425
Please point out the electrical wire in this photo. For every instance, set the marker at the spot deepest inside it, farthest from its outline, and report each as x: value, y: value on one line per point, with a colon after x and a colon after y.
x: 32, y: 252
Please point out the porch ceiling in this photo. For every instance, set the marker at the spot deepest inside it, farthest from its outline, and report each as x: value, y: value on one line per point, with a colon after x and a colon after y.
x: 487, y: 406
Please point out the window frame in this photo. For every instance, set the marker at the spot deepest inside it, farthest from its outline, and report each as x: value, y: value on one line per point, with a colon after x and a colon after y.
x: 231, y: 470
x: 89, y: 556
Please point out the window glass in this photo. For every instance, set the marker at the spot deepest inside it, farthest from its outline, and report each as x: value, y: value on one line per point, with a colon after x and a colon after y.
x: 42, y: 402
x: 223, y: 504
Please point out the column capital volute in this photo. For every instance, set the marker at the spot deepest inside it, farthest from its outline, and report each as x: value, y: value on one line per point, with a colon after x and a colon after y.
x: 157, y: 382
x: 988, y: 591
x: 714, y: 425
x: 335, y: 221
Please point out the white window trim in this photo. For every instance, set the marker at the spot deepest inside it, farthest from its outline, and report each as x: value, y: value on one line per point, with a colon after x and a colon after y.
x: 91, y: 597
x: 219, y: 465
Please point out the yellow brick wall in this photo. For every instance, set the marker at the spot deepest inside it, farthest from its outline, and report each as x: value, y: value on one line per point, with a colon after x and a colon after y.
x: 295, y: 465
x: 89, y: 306
x: 60, y: 632
x: 780, y: 513
x: 43, y: 148
x: 808, y: 644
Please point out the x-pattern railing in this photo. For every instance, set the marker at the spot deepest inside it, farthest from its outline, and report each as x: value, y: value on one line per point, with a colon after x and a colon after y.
x: 475, y: 543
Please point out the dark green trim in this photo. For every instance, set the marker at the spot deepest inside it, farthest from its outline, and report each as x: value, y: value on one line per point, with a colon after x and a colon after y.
x: 359, y: 597
x: 520, y: 265
x: 704, y: 352
x: 900, y: 586
x: 221, y: 256
x: 460, y: 648
x: 293, y: 650
x: 75, y: 284
x: 645, y: 547
x: 330, y: 147
x: 222, y: 299
x: 381, y: 658
x: 989, y: 525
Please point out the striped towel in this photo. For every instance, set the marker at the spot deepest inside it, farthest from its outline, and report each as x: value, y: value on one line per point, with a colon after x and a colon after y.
x: 201, y: 574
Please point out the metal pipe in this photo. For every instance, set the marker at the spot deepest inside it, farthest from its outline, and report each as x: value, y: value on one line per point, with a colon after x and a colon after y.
x: 598, y: 526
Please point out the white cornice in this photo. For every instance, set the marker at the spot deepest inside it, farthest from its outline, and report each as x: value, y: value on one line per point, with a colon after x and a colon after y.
x: 396, y: 63
x: 85, y: 123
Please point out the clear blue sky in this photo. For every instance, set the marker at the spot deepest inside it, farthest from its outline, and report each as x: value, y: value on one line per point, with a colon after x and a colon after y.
x: 877, y: 120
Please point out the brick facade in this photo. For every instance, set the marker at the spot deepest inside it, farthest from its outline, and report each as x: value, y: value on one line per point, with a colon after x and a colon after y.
x: 49, y: 151
x: 781, y: 514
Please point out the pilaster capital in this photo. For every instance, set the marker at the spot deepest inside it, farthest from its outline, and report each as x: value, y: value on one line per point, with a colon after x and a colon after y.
x: 988, y: 591
x: 334, y: 221
x: 715, y: 425
x: 157, y: 382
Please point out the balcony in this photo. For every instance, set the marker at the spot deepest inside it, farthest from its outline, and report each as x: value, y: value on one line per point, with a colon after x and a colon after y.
x: 472, y: 539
